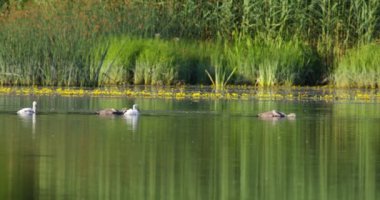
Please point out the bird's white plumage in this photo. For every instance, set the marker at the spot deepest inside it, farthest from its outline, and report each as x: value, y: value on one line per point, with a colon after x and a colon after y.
x: 132, y: 112
x: 28, y: 111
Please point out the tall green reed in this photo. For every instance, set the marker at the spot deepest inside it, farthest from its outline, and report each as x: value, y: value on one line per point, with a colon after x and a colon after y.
x: 156, y: 65
x: 222, y: 70
x: 113, y: 61
x: 359, y: 68
x: 48, y: 45
x: 272, y: 62
x: 52, y: 43
x: 132, y: 60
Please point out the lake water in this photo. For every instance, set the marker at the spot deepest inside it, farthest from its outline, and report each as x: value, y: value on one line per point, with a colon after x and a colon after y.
x: 186, y: 149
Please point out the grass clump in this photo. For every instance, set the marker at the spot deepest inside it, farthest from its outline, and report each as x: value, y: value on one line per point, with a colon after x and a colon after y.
x: 113, y: 61
x: 156, y: 64
x: 272, y: 62
x: 139, y: 61
x: 219, y: 66
x: 262, y: 43
x: 47, y: 45
x: 359, y: 68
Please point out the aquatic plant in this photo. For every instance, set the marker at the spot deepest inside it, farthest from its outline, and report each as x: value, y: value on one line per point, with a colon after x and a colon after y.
x: 272, y: 62
x: 265, y: 43
x: 156, y: 64
x: 359, y: 68
x: 229, y: 93
x: 192, y: 58
x: 46, y: 47
x: 115, y: 60
x: 222, y: 71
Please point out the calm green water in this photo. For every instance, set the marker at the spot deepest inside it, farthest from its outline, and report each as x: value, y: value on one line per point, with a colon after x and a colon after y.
x: 188, y: 150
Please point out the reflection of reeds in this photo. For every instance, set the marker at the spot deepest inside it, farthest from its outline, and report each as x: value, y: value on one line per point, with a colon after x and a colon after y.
x: 213, y: 152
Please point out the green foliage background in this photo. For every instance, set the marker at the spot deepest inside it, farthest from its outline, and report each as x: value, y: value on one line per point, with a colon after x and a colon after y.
x: 162, y: 42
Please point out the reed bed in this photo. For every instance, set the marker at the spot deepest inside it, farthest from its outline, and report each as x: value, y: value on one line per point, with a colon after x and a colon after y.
x: 168, y: 62
x: 359, y: 68
x: 274, y: 62
x: 46, y: 47
x: 156, y: 64
x: 114, y: 60
x: 263, y: 43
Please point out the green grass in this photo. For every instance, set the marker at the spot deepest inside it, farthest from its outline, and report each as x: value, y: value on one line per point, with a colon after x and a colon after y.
x: 156, y: 64
x: 124, y: 60
x: 45, y: 48
x: 359, y: 68
x: 115, y: 60
x: 271, y: 62
x: 263, y: 43
x: 131, y: 60
x: 220, y: 68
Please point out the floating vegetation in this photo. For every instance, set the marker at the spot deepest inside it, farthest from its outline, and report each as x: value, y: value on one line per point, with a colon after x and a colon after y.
x: 207, y: 93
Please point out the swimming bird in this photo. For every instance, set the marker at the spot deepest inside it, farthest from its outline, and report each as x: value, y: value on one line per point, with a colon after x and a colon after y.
x: 275, y: 114
x: 110, y: 111
x: 132, y: 112
x: 28, y: 111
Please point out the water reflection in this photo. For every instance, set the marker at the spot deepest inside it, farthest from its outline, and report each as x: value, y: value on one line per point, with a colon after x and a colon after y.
x: 276, y: 120
x: 29, y: 120
x: 132, y: 121
x: 330, y: 151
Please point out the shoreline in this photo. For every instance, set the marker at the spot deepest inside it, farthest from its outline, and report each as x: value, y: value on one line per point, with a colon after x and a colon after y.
x: 325, y: 94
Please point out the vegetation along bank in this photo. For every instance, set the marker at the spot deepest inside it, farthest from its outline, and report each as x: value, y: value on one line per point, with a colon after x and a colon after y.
x: 261, y: 43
